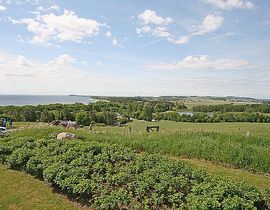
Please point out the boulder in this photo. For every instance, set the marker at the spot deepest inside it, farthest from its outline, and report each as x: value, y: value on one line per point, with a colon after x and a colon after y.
x: 55, y: 122
x: 63, y: 123
x: 71, y: 124
x: 65, y: 135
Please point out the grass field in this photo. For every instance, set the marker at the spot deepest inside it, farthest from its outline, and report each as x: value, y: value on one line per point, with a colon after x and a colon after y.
x: 237, y: 175
x: 251, y: 154
x: 224, y: 143
x: 21, y: 191
x: 239, y: 128
x: 137, y: 126
x: 195, y: 101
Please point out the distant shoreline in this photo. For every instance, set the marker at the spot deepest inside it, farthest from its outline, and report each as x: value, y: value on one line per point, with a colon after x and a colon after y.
x: 80, y: 95
x: 21, y: 100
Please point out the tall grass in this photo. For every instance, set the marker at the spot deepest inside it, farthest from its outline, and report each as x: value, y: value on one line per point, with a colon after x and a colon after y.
x: 229, y: 149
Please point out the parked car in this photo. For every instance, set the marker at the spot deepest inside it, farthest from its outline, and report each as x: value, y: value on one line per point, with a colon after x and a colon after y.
x: 3, y: 131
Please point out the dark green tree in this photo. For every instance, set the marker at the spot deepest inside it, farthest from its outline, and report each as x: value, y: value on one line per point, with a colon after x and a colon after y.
x: 147, y: 112
x: 83, y: 118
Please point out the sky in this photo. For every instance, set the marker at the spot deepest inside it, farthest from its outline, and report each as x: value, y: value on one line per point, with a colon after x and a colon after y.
x: 135, y: 48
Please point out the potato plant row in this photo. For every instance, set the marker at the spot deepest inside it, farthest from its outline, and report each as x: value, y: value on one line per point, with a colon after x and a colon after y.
x: 113, y: 177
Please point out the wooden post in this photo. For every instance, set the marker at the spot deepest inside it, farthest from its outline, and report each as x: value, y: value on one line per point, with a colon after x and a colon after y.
x: 150, y: 128
x: 91, y: 126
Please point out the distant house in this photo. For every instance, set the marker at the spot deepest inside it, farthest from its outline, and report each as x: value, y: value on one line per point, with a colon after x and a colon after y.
x: 186, y: 113
x: 210, y: 114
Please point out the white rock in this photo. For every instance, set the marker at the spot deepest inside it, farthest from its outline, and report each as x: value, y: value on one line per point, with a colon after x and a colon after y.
x: 65, y: 135
x: 71, y: 124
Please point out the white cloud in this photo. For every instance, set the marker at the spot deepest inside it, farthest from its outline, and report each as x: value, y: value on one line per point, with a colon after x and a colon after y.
x: 181, y: 40
x: 209, y: 24
x: 55, y: 7
x: 64, y: 60
x: 231, y: 4
x: 204, y: 62
x: 2, y: 8
x: 144, y: 29
x: 60, y: 28
x: 115, y: 42
x: 108, y: 34
x: 161, y: 32
x: 40, y: 9
x: 150, y: 17
x: 156, y: 31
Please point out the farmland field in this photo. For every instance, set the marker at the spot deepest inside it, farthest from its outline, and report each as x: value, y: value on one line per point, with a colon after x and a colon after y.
x: 221, y: 149
x: 109, y: 176
x: 195, y: 101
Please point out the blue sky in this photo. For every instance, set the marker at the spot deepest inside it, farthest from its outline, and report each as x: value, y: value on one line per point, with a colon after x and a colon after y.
x: 118, y: 47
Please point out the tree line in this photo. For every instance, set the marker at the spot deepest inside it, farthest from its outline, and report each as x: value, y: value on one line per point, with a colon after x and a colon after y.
x: 111, y: 113
x: 108, y: 113
x: 214, y: 118
x: 263, y: 108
